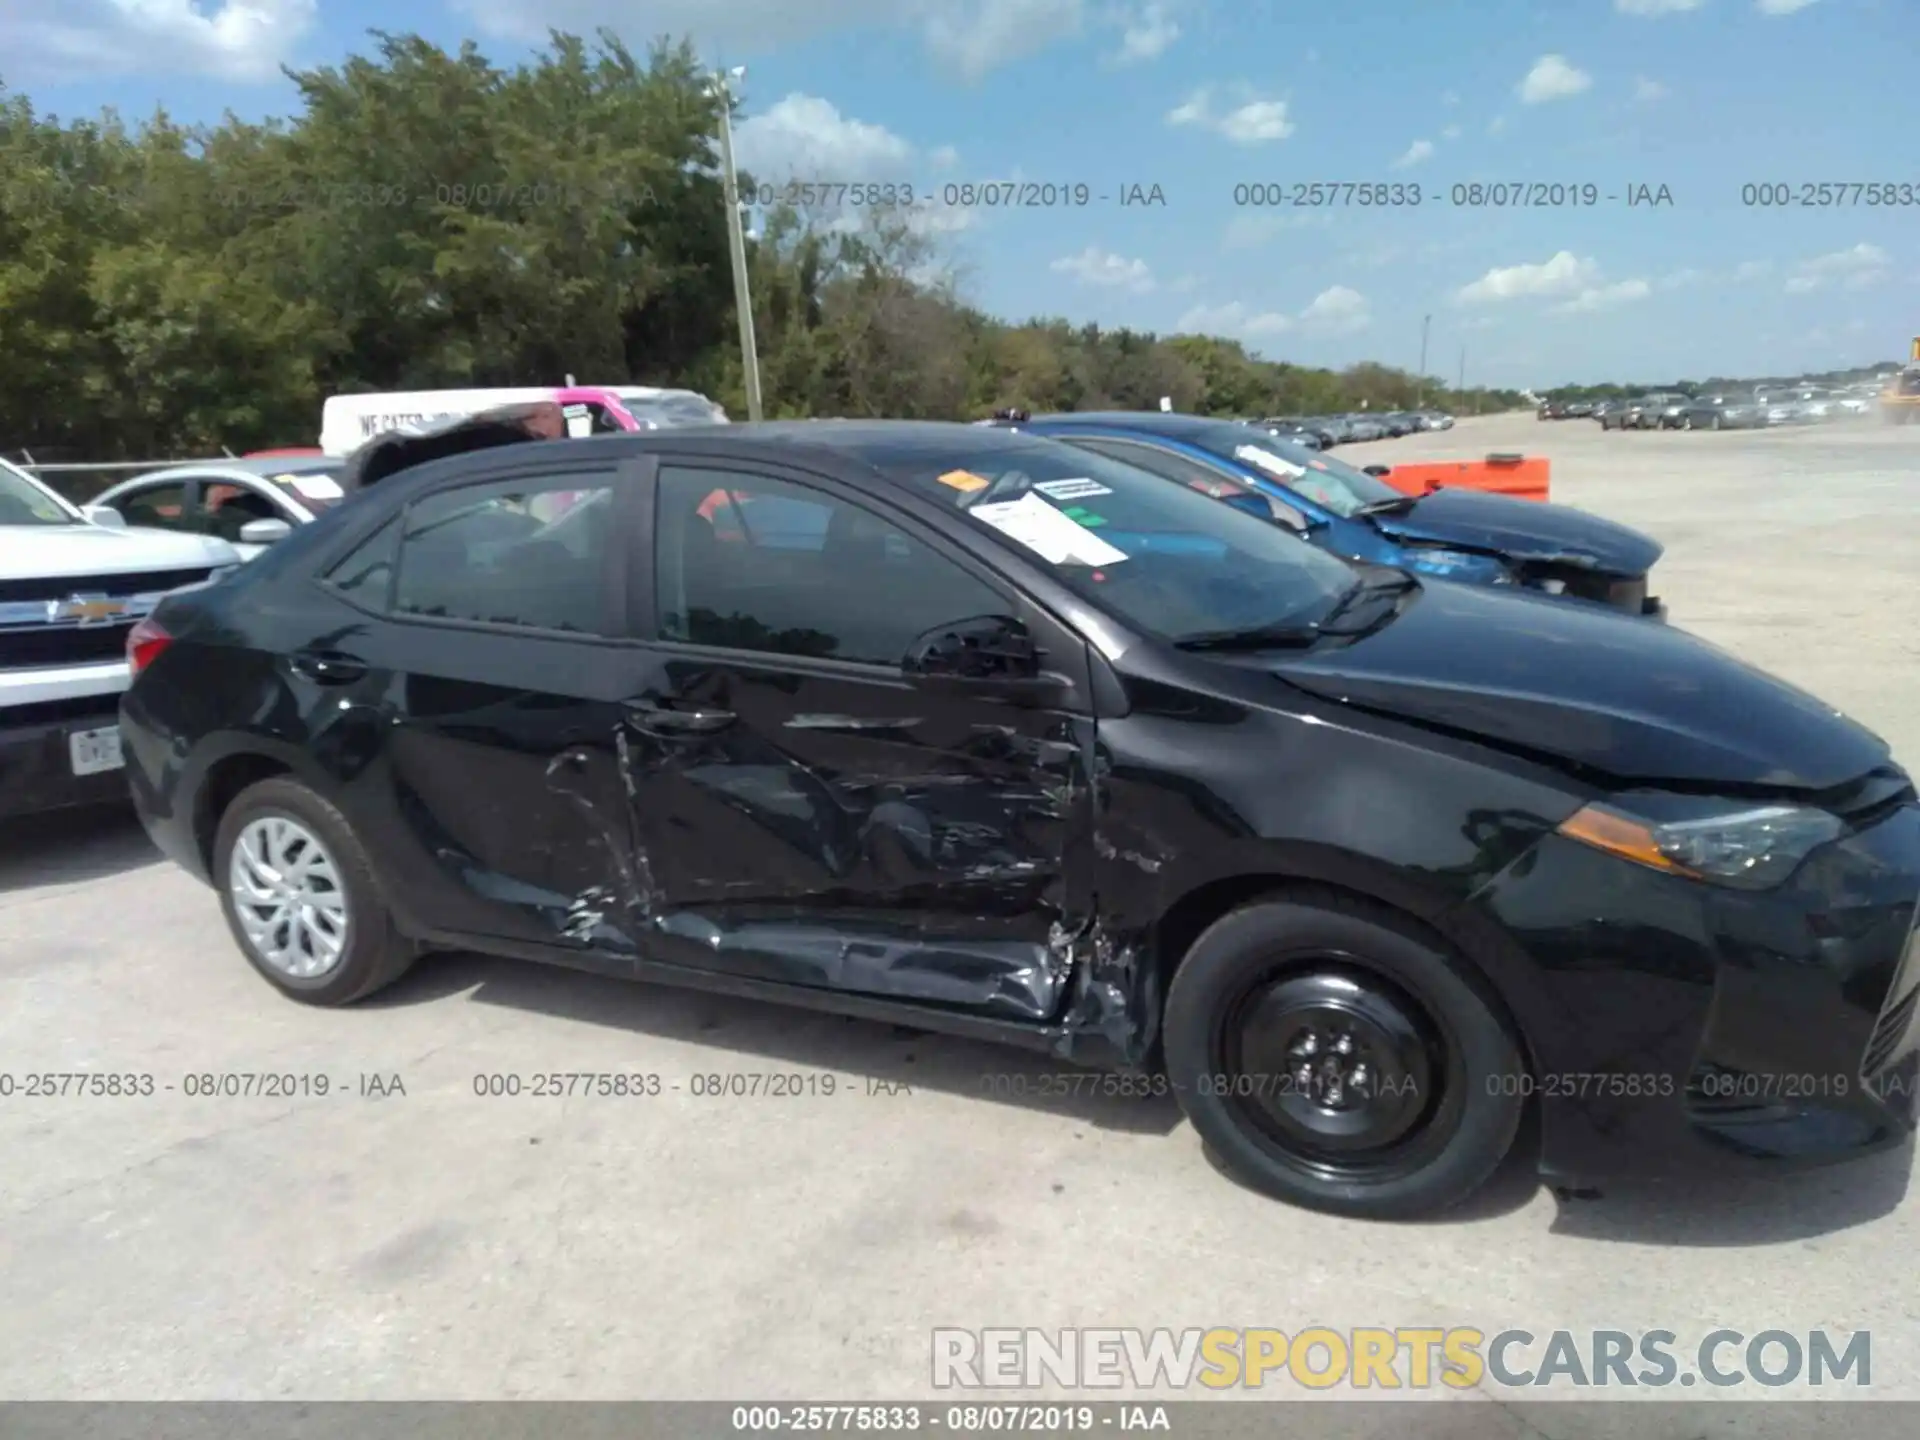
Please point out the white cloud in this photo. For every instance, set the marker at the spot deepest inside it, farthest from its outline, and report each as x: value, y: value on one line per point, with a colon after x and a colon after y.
x: 1646, y: 91
x: 1605, y: 297
x: 1146, y: 34
x: 1752, y: 269
x: 1094, y: 266
x: 1680, y: 279
x: 1780, y: 7
x: 1231, y: 319
x: 1452, y: 132
x: 987, y: 33
x: 1451, y: 97
x: 806, y: 136
x: 1496, y: 125
x: 1655, y: 7
x: 1245, y: 232
x: 1564, y: 274
x: 1552, y: 78
x: 240, y: 40
x: 1416, y: 152
x: 945, y: 158
x: 1855, y: 268
x: 971, y: 37
x: 1338, y: 310
x: 1185, y: 285
x: 1251, y: 122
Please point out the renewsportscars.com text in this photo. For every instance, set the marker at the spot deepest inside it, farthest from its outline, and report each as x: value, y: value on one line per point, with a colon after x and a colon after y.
x: 1367, y: 1358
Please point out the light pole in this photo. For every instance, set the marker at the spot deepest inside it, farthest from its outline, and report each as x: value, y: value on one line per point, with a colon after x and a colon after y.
x: 1420, y: 403
x: 737, y: 241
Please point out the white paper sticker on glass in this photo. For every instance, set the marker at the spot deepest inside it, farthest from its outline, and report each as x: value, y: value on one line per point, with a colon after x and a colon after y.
x: 1270, y: 462
x: 315, y: 487
x: 1071, y: 489
x: 1034, y: 523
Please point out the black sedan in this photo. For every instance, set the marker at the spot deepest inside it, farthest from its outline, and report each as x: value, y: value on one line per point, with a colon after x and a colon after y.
x: 970, y: 731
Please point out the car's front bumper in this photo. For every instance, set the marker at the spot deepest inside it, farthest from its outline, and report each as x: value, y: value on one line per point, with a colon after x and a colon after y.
x: 36, y: 761
x: 1678, y: 1025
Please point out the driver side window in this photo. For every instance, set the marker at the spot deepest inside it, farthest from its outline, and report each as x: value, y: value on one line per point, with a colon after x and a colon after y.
x: 746, y: 562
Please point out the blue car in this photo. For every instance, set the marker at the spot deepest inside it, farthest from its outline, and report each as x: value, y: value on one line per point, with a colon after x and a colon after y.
x: 1452, y: 534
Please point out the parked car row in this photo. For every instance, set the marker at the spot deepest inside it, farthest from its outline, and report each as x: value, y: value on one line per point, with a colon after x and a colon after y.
x: 1143, y: 741
x: 1721, y: 410
x: 1323, y: 432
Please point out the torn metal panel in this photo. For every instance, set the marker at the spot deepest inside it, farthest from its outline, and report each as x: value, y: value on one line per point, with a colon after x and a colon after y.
x: 1015, y: 980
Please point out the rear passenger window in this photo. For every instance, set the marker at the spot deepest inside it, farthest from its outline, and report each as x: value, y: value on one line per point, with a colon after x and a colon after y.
x: 525, y: 553
x: 750, y: 563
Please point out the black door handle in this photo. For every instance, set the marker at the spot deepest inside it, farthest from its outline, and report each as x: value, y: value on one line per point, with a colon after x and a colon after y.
x: 327, y: 667
x: 654, y: 715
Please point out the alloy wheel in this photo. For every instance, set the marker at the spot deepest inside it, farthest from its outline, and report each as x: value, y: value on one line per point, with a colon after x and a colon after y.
x: 286, y: 893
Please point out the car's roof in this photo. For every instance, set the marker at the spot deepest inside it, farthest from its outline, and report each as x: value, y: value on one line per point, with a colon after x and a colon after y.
x: 1173, y: 424
x: 861, y: 446
x: 262, y: 467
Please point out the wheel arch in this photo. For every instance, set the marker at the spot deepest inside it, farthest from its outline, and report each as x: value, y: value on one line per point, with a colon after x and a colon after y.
x: 1442, y: 921
x: 225, y: 780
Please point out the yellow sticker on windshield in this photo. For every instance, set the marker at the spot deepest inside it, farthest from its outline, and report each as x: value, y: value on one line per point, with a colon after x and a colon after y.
x: 965, y: 481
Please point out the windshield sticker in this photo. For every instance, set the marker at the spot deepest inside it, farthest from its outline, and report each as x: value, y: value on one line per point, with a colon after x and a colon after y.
x: 965, y: 481
x: 314, y: 487
x: 1269, y: 462
x: 1071, y: 489
x: 1081, y: 516
x: 1032, y: 522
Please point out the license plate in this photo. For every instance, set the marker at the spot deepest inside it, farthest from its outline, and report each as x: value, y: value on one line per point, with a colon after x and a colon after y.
x: 94, y: 751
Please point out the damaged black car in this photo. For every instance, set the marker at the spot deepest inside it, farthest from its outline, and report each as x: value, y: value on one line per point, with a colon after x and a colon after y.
x: 967, y: 730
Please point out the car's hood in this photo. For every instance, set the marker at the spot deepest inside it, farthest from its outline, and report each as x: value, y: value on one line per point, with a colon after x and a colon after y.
x: 1525, y: 530
x: 1629, y: 697
x: 33, y: 552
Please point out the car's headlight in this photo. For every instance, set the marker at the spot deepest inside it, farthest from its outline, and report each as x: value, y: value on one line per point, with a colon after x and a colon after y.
x: 1435, y: 561
x: 1749, y: 847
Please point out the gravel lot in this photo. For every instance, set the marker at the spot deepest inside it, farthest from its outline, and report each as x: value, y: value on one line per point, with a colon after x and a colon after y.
x: 435, y: 1244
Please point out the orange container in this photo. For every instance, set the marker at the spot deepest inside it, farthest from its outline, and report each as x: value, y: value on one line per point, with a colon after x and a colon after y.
x: 1524, y: 476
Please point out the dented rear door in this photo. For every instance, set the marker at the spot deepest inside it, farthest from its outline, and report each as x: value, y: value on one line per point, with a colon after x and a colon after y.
x: 806, y: 815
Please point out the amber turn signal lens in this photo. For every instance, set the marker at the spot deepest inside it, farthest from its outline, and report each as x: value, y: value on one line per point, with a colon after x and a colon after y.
x: 1620, y: 835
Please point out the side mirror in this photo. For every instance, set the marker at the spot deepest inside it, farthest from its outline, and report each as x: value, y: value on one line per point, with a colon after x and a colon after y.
x: 989, y: 655
x: 264, y: 531
x: 1379, y: 471
x: 105, y: 515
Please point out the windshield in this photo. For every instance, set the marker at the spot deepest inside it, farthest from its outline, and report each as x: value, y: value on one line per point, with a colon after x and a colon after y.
x: 24, y: 502
x: 1170, y: 561
x: 671, y: 408
x: 1329, y: 483
x: 314, y: 486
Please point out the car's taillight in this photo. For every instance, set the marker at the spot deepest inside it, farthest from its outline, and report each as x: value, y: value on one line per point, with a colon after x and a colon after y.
x: 144, y: 643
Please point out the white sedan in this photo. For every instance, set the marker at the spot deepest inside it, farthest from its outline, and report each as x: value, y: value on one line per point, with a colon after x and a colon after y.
x: 248, y: 503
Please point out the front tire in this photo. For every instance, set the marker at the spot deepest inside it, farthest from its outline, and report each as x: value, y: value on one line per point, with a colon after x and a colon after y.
x: 300, y: 895
x: 1331, y: 1055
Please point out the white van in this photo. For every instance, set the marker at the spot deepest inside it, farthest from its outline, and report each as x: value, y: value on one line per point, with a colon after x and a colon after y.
x: 349, y: 421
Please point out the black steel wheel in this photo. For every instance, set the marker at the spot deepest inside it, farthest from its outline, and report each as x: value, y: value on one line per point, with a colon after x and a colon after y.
x: 1331, y: 1054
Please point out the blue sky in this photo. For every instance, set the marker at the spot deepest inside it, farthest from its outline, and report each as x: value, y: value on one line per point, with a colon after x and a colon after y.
x: 1197, y: 97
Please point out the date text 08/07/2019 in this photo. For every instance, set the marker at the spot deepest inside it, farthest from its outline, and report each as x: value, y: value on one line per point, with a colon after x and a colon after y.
x: 1468, y: 195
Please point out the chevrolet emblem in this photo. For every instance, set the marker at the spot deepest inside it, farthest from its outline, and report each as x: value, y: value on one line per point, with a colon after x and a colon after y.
x: 85, y: 610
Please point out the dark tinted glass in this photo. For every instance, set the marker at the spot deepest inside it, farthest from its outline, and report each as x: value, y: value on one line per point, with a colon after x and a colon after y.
x: 162, y: 507
x: 751, y: 563
x: 367, y: 572
x: 526, y: 553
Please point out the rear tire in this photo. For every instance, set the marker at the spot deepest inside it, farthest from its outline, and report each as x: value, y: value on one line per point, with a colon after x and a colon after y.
x: 1332, y: 1056
x: 289, y: 831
